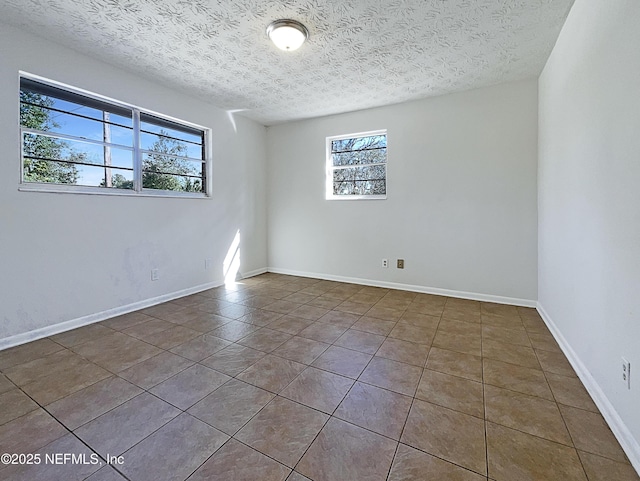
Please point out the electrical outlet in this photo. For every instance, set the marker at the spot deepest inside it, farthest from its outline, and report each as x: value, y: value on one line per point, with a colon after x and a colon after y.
x: 400, y: 263
x: 385, y: 263
x: 626, y: 372
x: 207, y: 264
x: 155, y: 275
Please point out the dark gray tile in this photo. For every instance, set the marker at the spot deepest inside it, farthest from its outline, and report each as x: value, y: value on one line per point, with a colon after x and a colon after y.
x: 233, y: 360
x: 156, y: 369
x: 189, y: 386
x: 30, y: 432
x: 14, y: 404
x: 283, y: 430
x: 343, y: 361
x: 81, y: 334
x: 318, y: 389
x: 224, y: 465
x: 230, y: 406
x: 123, y: 427
x: 201, y: 347
x: 272, y: 373
x: 27, y: 352
x: 156, y: 456
x: 89, y: 403
x: 376, y: 409
x: 343, y: 451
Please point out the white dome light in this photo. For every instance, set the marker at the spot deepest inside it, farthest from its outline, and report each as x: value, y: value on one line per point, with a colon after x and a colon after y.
x: 287, y: 35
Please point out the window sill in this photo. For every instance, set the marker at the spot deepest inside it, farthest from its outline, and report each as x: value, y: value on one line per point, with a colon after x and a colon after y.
x: 86, y: 190
x: 356, y: 197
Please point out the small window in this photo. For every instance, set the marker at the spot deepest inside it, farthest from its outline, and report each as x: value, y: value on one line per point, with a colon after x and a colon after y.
x: 79, y: 142
x: 357, y: 166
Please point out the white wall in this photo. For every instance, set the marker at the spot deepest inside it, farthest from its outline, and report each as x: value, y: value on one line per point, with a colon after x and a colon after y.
x: 66, y: 256
x: 589, y: 202
x: 461, y: 207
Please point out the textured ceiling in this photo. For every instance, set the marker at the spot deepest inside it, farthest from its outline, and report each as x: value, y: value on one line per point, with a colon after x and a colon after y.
x: 361, y: 53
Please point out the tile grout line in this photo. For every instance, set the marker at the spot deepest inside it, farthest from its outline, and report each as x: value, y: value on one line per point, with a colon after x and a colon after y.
x: 354, y: 381
x: 564, y: 422
x: 484, y: 398
x: 69, y: 431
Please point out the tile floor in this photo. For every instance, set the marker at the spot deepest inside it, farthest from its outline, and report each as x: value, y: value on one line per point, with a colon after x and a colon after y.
x: 285, y: 378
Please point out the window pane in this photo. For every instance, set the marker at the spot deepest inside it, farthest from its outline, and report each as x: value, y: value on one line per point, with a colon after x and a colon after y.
x: 34, y: 89
x: 86, y: 111
x: 119, y: 179
x: 164, y: 172
x: 154, y: 180
x: 49, y: 171
x: 358, y: 165
x: 359, y: 143
x: 74, y: 174
x: 369, y: 180
x: 171, y: 165
x: 39, y: 112
x: 90, y: 129
x: 168, y: 153
x: 377, y: 187
x: 371, y: 172
x: 162, y: 143
x: 150, y: 127
x: 95, y: 177
x: 360, y: 187
x: 52, y: 148
x: 359, y: 157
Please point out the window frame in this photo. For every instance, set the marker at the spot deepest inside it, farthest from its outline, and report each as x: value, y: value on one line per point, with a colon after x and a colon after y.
x: 330, y: 168
x: 136, y: 149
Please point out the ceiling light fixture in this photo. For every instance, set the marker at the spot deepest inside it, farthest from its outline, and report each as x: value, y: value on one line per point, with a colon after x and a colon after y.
x: 288, y: 35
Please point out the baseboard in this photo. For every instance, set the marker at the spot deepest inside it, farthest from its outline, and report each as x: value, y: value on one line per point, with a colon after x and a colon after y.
x: 47, y: 331
x: 255, y: 272
x: 409, y: 287
x: 629, y: 444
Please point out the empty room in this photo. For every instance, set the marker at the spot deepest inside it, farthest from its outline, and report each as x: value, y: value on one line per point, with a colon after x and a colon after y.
x: 320, y: 240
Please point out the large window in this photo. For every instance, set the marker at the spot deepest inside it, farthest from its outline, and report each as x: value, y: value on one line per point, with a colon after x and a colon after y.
x: 73, y: 141
x: 357, y: 166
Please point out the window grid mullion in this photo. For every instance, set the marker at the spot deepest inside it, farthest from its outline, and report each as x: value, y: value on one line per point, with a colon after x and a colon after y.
x: 358, y: 150
x: 39, y: 141
x: 86, y: 117
x: 137, y: 154
x: 343, y: 167
x: 60, y: 135
x: 75, y: 162
x: 356, y: 187
x: 155, y: 152
x: 142, y: 131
